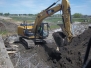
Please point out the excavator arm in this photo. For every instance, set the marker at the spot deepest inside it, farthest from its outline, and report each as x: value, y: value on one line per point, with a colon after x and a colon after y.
x: 66, y: 16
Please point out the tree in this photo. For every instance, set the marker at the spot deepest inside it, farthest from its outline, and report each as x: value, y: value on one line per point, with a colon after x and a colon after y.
x: 25, y: 14
x: 1, y: 14
x: 6, y: 14
x: 30, y: 14
x: 77, y: 15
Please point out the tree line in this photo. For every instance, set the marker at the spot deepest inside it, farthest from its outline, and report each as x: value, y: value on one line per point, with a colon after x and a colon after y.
x: 8, y: 14
x: 76, y: 15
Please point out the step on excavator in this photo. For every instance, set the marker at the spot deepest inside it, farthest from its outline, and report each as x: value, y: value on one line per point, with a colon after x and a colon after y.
x: 37, y: 32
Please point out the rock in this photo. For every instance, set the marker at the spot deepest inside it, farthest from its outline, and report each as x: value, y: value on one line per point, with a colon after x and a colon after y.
x: 11, y: 39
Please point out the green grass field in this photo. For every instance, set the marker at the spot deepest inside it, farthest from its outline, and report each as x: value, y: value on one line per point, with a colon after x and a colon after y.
x: 49, y: 19
x: 3, y: 32
x: 52, y: 20
x: 28, y: 19
x: 80, y: 20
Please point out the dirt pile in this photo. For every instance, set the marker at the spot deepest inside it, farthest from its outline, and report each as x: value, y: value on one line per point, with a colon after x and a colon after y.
x: 8, y: 26
x: 2, y: 27
x: 73, y: 54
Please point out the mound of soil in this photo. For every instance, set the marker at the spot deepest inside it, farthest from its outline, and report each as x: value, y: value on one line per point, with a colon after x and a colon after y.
x: 2, y: 27
x: 72, y: 54
x: 8, y: 26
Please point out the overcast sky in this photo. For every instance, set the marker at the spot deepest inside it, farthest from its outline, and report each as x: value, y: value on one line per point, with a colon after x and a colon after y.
x: 35, y: 6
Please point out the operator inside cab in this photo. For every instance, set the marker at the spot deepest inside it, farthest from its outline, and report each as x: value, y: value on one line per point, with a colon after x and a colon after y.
x: 42, y: 32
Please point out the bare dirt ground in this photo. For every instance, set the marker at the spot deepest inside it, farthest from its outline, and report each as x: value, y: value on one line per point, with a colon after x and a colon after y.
x: 8, y: 26
x: 4, y: 18
x: 46, y: 56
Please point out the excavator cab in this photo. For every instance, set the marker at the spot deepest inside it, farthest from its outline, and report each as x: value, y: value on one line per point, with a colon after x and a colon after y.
x: 42, y: 31
x: 25, y: 30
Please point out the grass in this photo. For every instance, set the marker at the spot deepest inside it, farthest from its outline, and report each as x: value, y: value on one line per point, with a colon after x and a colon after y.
x: 49, y: 19
x: 3, y: 32
x: 81, y: 20
x: 77, y: 20
x: 32, y: 19
x: 54, y: 27
x: 53, y: 20
x: 28, y: 19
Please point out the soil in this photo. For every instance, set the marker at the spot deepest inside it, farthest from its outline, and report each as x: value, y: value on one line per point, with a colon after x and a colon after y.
x: 46, y: 56
x: 8, y: 26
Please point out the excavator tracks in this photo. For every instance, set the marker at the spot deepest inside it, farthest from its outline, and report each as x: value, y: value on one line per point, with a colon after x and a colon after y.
x: 28, y: 44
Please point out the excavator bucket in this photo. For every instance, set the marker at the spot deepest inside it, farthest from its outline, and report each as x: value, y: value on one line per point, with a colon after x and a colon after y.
x: 60, y: 37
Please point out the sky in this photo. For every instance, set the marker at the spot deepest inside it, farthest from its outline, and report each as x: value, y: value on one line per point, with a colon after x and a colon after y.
x: 36, y: 6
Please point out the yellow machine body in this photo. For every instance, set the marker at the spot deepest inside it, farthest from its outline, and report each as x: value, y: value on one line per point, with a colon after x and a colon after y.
x: 21, y: 30
x: 25, y: 31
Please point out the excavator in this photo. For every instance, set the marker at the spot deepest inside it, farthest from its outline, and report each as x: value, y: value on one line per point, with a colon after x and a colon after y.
x: 38, y: 31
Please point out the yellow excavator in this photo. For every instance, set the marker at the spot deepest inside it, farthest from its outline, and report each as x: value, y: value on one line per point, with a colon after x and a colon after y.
x: 39, y: 31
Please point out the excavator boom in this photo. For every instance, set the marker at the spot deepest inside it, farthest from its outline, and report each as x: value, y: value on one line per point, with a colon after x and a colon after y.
x: 66, y: 16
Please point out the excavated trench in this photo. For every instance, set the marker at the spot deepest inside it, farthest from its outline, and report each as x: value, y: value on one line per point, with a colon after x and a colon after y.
x: 46, y: 56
